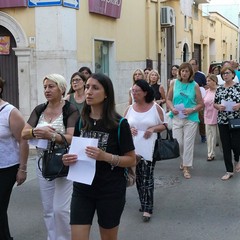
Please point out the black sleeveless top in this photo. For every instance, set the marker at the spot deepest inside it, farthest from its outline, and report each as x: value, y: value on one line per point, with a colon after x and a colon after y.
x: 157, y: 94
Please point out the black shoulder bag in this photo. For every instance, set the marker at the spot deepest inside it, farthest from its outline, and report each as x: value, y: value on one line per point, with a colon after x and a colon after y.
x: 167, y: 148
x: 52, y: 164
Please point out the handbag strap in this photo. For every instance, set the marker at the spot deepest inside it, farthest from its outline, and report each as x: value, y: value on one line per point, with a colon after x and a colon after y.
x: 65, y: 143
x: 119, y: 129
x: 80, y: 124
x: 169, y: 133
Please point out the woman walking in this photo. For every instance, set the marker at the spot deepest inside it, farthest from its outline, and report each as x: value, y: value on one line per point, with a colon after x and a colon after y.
x: 184, y: 100
x: 106, y: 195
x: 146, y: 118
x: 227, y: 93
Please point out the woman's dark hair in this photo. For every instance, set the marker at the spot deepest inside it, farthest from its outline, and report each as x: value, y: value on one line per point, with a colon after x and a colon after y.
x: 176, y: 66
x: 76, y: 74
x: 109, y: 115
x: 218, y: 67
x: 85, y: 69
x: 146, y: 88
x: 2, y: 82
x: 189, y: 67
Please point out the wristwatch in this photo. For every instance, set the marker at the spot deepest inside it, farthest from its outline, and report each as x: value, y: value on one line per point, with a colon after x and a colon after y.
x: 194, y: 109
x: 53, y: 137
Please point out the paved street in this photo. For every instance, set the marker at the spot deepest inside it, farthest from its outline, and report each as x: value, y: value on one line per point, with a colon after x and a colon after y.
x: 202, y: 208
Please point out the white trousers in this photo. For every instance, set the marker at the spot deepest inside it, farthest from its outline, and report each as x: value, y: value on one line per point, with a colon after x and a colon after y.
x: 56, y: 196
x: 185, y: 132
x: 211, y: 132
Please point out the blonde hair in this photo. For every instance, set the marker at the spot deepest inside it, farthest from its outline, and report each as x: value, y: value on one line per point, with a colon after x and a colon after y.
x: 213, y: 77
x: 150, y: 73
x: 138, y: 70
x: 59, y: 80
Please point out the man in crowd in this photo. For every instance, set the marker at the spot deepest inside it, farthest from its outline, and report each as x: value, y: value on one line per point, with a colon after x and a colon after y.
x: 200, y: 79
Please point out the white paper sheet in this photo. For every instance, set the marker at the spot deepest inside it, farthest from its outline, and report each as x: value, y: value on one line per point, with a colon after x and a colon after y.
x: 180, y: 107
x: 229, y: 105
x: 144, y: 147
x: 85, y: 168
x: 40, y: 143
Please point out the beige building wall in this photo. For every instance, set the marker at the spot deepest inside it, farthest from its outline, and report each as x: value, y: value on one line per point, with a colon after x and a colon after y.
x: 135, y: 37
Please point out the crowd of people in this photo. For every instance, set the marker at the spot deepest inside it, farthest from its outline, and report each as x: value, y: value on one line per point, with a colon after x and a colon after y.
x: 194, y: 101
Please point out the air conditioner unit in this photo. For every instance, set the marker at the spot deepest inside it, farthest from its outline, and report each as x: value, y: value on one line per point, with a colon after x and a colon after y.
x: 167, y: 17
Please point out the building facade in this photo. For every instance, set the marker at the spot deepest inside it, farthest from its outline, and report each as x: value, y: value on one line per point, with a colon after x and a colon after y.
x: 110, y: 36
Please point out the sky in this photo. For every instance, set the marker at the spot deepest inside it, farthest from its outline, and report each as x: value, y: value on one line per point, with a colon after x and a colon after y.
x: 223, y: 2
x: 227, y: 8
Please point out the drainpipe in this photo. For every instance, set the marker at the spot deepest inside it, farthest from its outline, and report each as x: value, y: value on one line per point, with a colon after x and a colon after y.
x: 159, y: 35
x: 148, y: 29
x: 238, y: 57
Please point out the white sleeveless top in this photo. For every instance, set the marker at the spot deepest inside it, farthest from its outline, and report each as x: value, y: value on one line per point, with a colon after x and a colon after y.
x: 9, y: 147
x: 142, y: 121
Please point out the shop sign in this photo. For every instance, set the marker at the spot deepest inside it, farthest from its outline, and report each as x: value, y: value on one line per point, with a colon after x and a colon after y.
x: 44, y: 3
x: 110, y: 8
x: 71, y: 3
x: 13, y: 3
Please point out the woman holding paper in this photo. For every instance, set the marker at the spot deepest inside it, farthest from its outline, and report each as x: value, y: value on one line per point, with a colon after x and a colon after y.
x: 45, y: 122
x: 107, y: 192
x: 185, y: 100
x: 146, y: 118
x: 228, y: 95
x: 210, y: 116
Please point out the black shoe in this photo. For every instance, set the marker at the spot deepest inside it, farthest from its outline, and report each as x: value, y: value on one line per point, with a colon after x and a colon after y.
x: 146, y: 219
x: 203, y: 139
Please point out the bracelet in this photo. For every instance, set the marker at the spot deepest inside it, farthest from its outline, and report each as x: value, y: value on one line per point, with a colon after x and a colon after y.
x: 53, y: 139
x: 21, y: 170
x: 33, y: 133
x: 115, y: 161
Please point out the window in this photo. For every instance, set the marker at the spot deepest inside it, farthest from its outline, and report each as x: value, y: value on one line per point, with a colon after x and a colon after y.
x: 101, y: 56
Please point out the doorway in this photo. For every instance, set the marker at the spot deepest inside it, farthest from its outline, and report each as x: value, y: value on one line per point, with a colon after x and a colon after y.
x: 9, y: 70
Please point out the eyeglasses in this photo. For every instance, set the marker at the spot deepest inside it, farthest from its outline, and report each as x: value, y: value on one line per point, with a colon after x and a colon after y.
x: 76, y: 80
x: 226, y: 73
x: 136, y: 90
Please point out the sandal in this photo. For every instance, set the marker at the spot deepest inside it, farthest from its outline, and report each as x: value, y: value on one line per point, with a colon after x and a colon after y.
x: 210, y: 158
x: 227, y: 176
x: 181, y: 166
x: 186, y: 173
x: 237, y: 167
x: 146, y: 217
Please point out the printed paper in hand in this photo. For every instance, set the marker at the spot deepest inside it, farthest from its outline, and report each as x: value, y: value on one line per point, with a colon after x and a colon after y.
x: 180, y: 107
x: 229, y: 105
x: 84, y: 170
x: 144, y: 147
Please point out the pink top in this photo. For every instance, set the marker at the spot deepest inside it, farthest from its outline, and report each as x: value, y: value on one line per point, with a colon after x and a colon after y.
x: 210, y: 113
